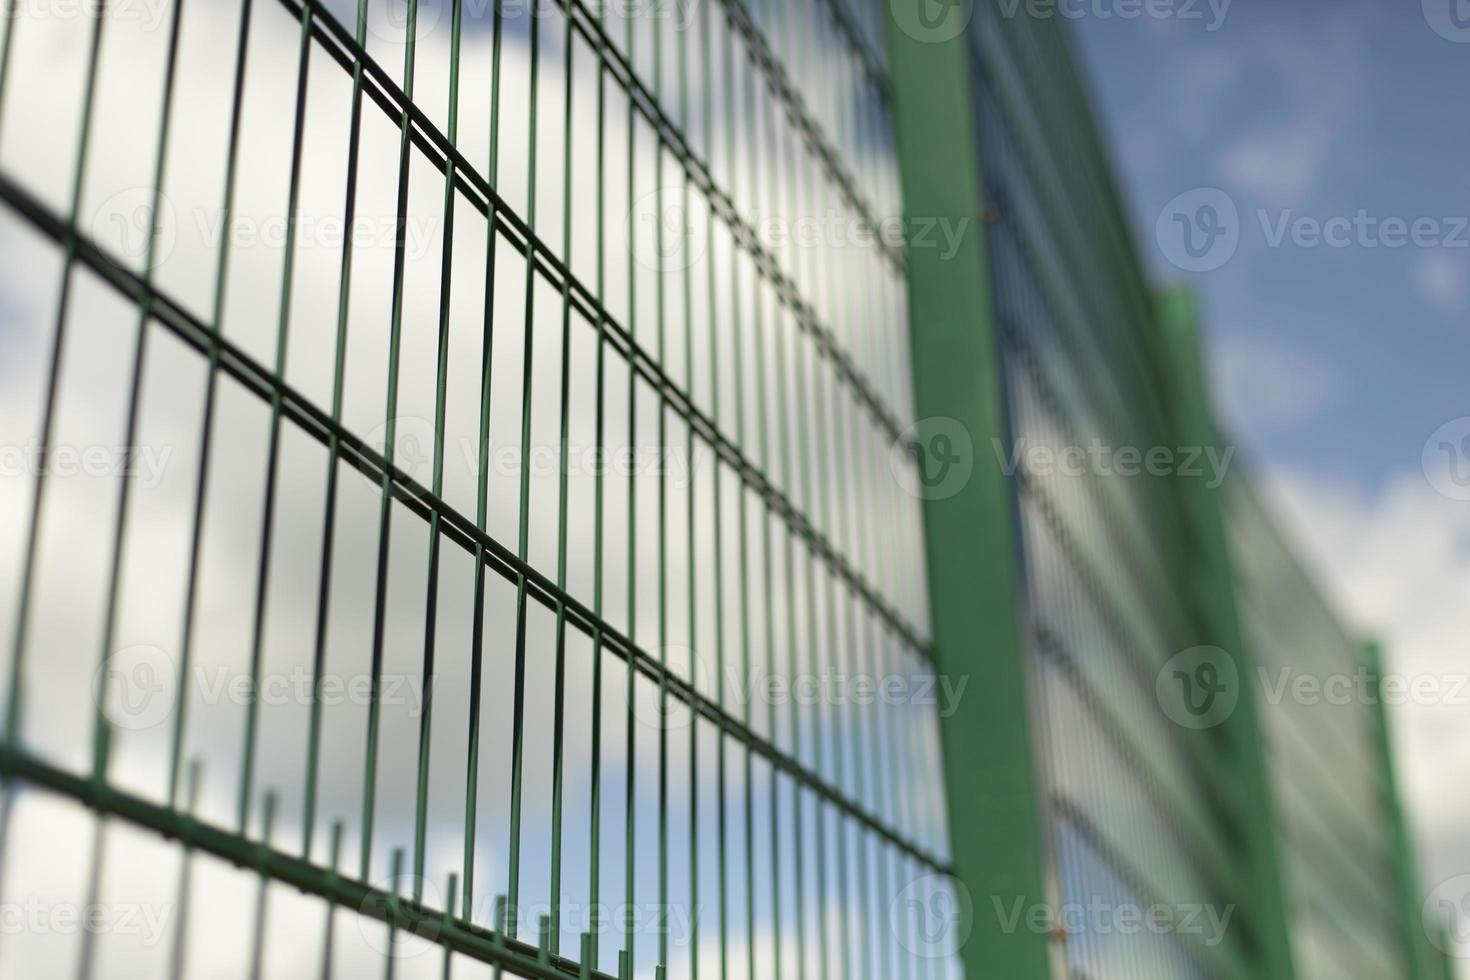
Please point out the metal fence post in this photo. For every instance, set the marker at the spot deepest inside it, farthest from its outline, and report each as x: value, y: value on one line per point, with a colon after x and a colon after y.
x: 1406, y: 880
x: 1220, y: 623
x: 974, y: 588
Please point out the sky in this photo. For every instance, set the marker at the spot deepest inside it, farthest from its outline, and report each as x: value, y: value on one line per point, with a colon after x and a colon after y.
x: 1315, y: 153
x: 1323, y: 109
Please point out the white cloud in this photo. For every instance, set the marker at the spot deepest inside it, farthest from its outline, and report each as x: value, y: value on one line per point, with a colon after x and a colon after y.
x: 1441, y: 278
x: 1400, y: 562
x: 1266, y: 385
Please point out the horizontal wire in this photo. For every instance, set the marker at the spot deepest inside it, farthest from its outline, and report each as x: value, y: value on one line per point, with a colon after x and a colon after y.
x: 423, y: 503
x: 440, y: 152
x: 402, y: 914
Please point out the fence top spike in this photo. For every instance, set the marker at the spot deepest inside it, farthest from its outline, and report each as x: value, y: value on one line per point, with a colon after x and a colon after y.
x: 501, y: 925
x: 449, y: 896
x: 585, y: 973
x: 623, y: 973
x: 543, y: 932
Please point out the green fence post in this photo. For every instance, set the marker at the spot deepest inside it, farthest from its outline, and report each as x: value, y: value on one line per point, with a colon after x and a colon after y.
x: 1204, y: 508
x: 1406, y: 878
x: 974, y: 593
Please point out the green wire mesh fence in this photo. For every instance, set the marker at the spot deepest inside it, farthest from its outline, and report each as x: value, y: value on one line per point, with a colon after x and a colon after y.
x: 457, y: 451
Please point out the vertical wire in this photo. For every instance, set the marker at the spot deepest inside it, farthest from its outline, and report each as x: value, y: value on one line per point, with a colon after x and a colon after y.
x: 477, y: 630
x: 661, y: 283
x: 257, y: 944
x: 518, y: 721
x: 101, y: 730
x: 594, y: 874
x: 48, y: 418
x: 329, y: 520
x: 201, y: 476
x: 87, y: 959
x: 380, y: 601
x: 630, y: 804
x: 559, y: 695
x: 431, y: 599
x: 693, y: 535
x: 262, y: 583
x: 178, y: 950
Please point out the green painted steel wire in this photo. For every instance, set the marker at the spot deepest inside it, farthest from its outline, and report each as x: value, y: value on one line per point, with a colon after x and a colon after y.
x: 70, y: 243
x: 834, y: 562
x: 267, y: 524
x: 262, y: 892
x: 101, y: 733
x: 385, y: 511
x: 421, y: 501
x: 477, y: 638
x: 329, y: 520
x: 184, y: 892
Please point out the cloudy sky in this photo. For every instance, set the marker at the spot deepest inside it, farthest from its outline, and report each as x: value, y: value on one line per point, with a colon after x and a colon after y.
x: 1339, y: 347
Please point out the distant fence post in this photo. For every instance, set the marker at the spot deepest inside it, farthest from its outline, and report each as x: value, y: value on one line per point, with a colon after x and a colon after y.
x: 975, y: 591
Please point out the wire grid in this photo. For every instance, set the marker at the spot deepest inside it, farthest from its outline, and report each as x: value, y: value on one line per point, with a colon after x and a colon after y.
x: 1336, y: 849
x: 778, y: 371
x: 1132, y: 803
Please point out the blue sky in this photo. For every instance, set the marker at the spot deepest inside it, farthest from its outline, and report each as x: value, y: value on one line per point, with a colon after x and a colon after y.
x: 1332, y: 365
x: 1341, y: 361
